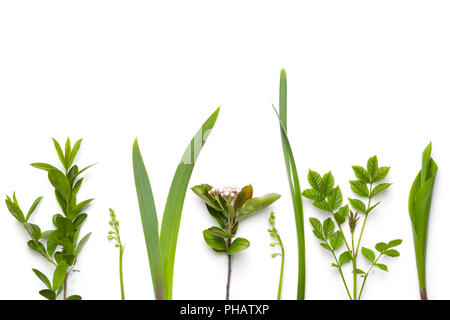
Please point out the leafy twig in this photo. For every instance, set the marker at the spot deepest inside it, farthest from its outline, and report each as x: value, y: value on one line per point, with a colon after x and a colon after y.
x: 59, y: 246
x: 328, y: 198
x: 229, y: 206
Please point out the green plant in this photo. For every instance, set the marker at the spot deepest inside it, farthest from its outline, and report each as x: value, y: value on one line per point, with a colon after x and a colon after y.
x: 419, y: 211
x: 161, y: 247
x: 329, y: 199
x: 229, y: 206
x: 277, y: 242
x: 294, y: 185
x: 59, y: 246
x: 114, y: 234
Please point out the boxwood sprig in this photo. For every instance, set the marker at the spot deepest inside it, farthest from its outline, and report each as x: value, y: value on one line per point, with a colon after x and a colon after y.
x: 60, y: 246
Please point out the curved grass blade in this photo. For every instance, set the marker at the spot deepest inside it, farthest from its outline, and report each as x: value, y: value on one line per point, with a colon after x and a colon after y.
x: 294, y: 186
x: 175, y: 199
x: 161, y: 248
x: 149, y: 222
x: 419, y: 205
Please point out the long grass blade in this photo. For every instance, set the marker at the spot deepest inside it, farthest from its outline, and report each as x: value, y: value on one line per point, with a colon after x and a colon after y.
x: 294, y: 186
x: 175, y: 199
x: 149, y: 222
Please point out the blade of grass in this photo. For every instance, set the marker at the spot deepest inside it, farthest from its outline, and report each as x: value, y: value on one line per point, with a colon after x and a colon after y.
x: 149, y: 222
x: 294, y: 185
x: 175, y: 199
x: 161, y: 249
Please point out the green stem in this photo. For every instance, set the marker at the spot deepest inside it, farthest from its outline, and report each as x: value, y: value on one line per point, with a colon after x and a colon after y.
x: 355, y: 278
x: 364, y: 223
x: 367, y: 275
x: 122, y: 291
x: 340, y: 271
x: 280, y: 284
x: 420, y: 263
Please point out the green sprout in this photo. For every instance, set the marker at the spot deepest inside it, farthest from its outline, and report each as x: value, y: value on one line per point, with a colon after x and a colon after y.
x: 419, y: 211
x: 115, y: 235
x: 277, y: 242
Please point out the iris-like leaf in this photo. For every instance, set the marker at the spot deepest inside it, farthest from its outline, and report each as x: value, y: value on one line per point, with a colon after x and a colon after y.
x: 161, y: 248
x: 294, y: 185
x: 419, y: 209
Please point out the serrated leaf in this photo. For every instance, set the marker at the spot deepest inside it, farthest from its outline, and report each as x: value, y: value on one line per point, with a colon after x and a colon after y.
x: 361, y: 174
x: 312, y: 194
x: 342, y: 214
x: 336, y: 240
x: 381, y: 266
x: 394, y: 243
x: 326, y: 246
x: 359, y: 188
x: 392, y: 253
x: 381, y: 173
x: 322, y: 205
x: 369, y: 254
x: 358, y: 205
x: 345, y: 257
x: 319, y: 235
x: 359, y: 271
x: 327, y: 183
x: 381, y: 246
x: 316, y: 224
x: 380, y: 188
x: 373, y: 207
x: 328, y: 228
x: 372, y: 166
x: 314, y: 179
x: 335, y: 198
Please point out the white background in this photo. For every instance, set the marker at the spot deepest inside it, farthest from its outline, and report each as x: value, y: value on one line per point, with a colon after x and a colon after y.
x: 364, y: 78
